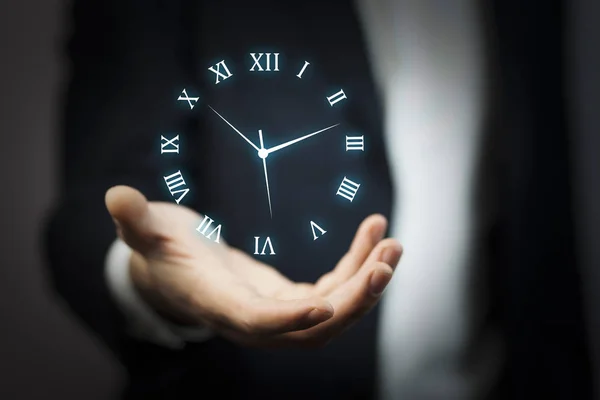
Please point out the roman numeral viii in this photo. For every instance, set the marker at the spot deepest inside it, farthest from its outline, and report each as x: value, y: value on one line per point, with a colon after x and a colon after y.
x: 176, y: 185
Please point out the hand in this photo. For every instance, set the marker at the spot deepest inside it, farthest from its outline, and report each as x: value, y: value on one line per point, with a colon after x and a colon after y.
x: 286, y: 144
x: 235, y: 129
x: 193, y: 281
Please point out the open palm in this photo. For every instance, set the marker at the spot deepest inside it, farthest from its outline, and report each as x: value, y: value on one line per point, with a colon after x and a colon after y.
x: 198, y: 282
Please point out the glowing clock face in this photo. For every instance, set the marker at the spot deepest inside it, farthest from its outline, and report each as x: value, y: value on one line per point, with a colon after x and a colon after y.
x: 265, y: 142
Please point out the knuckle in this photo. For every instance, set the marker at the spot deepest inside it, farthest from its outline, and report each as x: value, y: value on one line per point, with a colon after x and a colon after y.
x: 347, y: 258
x: 249, y: 323
x: 249, y: 327
x: 325, y: 279
x: 328, y: 281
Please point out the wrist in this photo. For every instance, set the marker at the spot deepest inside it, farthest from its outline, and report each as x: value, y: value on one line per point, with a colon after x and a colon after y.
x: 146, y: 287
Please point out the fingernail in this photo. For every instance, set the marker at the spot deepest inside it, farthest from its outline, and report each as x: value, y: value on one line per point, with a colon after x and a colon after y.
x: 317, y: 316
x: 379, y: 281
x: 391, y: 256
x: 377, y: 233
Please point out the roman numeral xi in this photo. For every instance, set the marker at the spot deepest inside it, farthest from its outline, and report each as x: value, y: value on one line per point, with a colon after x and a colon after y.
x: 216, y: 69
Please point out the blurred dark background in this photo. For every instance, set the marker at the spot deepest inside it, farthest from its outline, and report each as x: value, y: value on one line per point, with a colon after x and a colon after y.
x: 44, y: 352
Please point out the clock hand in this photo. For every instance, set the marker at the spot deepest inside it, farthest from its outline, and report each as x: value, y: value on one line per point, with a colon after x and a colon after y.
x: 262, y: 154
x: 286, y: 144
x: 235, y: 129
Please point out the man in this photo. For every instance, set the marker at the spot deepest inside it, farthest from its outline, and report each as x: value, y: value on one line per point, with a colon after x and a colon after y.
x: 186, y: 318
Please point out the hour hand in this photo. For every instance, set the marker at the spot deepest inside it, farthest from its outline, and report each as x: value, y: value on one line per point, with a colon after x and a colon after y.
x: 235, y: 129
x: 291, y: 142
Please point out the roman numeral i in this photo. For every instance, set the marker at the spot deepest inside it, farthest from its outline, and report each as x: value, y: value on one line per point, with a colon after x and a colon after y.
x: 314, y: 226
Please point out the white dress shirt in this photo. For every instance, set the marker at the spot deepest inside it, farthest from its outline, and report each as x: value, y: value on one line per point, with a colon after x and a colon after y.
x: 427, y: 59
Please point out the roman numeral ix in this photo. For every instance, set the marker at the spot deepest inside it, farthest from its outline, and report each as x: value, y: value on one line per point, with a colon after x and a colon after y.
x: 169, y: 145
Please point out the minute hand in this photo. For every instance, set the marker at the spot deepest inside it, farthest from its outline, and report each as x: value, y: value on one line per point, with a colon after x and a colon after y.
x: 286, y: 144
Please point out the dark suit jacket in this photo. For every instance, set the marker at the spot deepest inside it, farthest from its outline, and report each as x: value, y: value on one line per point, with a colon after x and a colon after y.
x: 128, y: 61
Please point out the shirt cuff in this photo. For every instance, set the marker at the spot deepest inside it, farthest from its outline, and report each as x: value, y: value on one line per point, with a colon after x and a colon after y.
x: 143, y: 322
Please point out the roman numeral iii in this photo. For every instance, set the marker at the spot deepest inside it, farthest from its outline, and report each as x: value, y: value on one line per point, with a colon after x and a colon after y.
x: 176, y: 185
x: 205, y: 226
x: 220, y: 76
x: 267, y: 243
x: 169, y: 145
x: 265, y: 64
x: 348, y: 189
x: 355, y: 143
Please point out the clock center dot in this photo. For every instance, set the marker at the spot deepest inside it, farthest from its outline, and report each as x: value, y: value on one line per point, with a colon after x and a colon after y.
x: 263, y: 153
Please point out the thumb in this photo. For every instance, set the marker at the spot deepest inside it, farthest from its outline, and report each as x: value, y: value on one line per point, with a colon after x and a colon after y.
x: 130, y: 210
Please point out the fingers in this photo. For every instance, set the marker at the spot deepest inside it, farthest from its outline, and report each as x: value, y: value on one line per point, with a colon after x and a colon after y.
x: 360, y: 293
x: 268, y: 316
x: 130, y: 211
x: 368, y: 235
x: 387, y: 251
x: 257, y: 321
x: 353, y: 299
